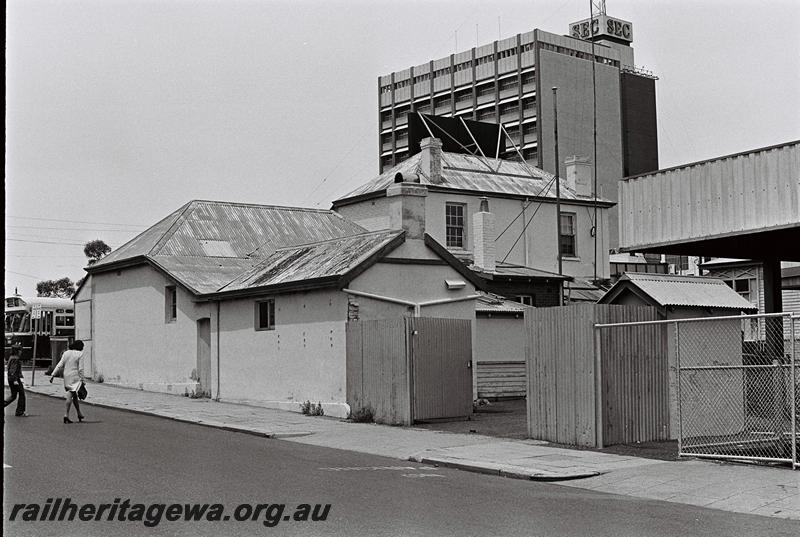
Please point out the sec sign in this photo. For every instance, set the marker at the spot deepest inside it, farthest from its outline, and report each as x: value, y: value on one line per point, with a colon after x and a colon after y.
x: 602, y: 26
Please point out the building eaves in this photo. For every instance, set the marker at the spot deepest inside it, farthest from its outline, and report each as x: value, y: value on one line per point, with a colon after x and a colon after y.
x: 454, y: 262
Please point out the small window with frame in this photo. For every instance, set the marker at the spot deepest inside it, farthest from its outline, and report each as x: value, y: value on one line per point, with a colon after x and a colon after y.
x: 526, y: 300
x: 454, y: 224
x: 567, y: 239
x: 170, y: 304
x: 265, y: 314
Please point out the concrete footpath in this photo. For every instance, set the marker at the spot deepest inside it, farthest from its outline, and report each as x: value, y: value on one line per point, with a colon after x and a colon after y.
x: 741, y: 488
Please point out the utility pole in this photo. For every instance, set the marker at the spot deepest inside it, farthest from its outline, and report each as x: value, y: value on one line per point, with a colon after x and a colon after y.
x: 558, y: 180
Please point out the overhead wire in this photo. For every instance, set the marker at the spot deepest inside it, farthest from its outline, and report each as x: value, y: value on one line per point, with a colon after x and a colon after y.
x: 75, y: 221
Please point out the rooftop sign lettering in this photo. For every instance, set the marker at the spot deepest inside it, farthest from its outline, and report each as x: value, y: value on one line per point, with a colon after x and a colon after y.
x: 602, y: 26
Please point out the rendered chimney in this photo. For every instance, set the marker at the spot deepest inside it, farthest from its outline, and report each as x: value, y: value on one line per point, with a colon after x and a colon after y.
x: 484, y: 236
x: 431, y: 163
x: 407, y: 208
x: 579, y: 176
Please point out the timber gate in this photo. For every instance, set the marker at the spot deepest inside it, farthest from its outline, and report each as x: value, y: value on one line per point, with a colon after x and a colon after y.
x: 410, y: 369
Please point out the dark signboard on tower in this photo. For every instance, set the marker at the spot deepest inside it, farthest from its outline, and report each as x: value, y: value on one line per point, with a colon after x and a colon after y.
x: 457, y: 135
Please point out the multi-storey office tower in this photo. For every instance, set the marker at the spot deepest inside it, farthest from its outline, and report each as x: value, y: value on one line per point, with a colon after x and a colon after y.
x: 510, y: 82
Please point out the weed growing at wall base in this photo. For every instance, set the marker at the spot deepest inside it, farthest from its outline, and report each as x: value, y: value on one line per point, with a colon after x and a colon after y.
x: 310, y: 409
x: 362, y: 415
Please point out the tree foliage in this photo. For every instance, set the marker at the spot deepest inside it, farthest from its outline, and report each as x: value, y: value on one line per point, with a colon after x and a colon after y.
x: 63, y: 288
x: 95, y: 250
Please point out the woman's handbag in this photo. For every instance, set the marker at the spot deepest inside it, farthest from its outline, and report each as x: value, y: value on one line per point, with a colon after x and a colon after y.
x: 82, y: 393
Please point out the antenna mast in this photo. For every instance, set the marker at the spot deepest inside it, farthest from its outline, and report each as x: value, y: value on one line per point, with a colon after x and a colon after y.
x: 600, y: 7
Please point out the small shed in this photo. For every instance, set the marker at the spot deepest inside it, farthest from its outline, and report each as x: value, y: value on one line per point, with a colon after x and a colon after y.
x: 685, y: 297
x: 677, y: 297
x: 499, y: 351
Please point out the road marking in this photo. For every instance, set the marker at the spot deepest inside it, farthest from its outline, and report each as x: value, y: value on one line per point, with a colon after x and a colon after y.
x: 422, y: 475
x: 370, y: 468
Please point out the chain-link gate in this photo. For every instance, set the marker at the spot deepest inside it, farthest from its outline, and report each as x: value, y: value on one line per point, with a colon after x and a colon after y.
x: 737, y: 387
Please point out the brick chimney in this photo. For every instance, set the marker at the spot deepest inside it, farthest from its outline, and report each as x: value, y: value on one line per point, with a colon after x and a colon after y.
x: 579, y: 175
x: 407, y: 207
x: 484, y: 236
x: 431, y: 163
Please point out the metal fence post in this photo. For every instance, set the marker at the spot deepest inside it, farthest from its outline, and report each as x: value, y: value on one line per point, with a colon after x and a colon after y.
x: 793, y: 380
x: 678, y: 395
x: 598, y: 390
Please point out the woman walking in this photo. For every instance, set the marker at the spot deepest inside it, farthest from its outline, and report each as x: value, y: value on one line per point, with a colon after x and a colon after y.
x: 71, y: 364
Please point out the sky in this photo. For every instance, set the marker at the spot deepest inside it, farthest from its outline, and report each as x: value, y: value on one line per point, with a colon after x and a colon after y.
x: 118, y: 112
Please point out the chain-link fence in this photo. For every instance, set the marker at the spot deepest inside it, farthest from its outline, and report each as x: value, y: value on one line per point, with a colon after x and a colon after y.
x: 737, y: 387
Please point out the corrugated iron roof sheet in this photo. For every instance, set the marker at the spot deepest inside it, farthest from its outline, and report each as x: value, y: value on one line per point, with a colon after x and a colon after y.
x: 142, y: 243
x: 468, y: 172
x: 330, y: 258
x: 490, y: 303
x: 203, y: 274
x: 671, y: 290
x: 508, y: 269
x: 243, y: 228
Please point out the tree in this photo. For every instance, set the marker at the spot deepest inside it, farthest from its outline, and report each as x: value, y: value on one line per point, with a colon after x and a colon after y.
x: 95, y: 250
x: 63, y: 288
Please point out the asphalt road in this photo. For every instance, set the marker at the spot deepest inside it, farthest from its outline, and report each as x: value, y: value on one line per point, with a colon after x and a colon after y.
x: 117, y: 456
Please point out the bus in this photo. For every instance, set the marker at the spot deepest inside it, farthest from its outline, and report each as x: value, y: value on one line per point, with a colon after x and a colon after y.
x: 53, y: 327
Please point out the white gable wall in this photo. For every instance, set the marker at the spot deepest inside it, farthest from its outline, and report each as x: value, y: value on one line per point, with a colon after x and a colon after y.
x: 132, y: 344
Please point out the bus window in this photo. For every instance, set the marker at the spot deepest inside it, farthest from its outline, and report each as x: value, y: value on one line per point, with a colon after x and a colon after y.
x: 62, y: 320
x: 25, y: 323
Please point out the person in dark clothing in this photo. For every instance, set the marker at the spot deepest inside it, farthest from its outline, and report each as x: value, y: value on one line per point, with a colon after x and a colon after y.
x: 15, y: 381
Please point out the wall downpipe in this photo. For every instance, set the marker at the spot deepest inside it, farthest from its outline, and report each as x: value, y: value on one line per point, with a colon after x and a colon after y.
x: 218, y: 347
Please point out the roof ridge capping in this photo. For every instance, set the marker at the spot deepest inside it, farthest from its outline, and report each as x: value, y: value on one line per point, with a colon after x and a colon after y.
x: 386, y: 232
x: 263, y: 206
x: 666, y: 277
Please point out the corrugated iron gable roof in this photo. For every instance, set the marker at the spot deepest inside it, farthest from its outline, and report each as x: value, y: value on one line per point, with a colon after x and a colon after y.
x: 331, y: 258
x: 144, y: 242
x: 695, y: 291
x: 475, y: 174
x: 246, y: 228
x: 213, y: 228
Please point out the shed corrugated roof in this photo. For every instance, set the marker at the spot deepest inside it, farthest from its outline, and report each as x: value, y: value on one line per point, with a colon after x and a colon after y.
x: 476, y: 174
x: 490, y: 303
x: 672, y: 290
x: 331, y: 258
x: 234, y: 228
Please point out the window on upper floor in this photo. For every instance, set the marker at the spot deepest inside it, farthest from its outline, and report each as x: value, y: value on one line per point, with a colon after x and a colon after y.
x: 567, y: 239
x: 454, y: 224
